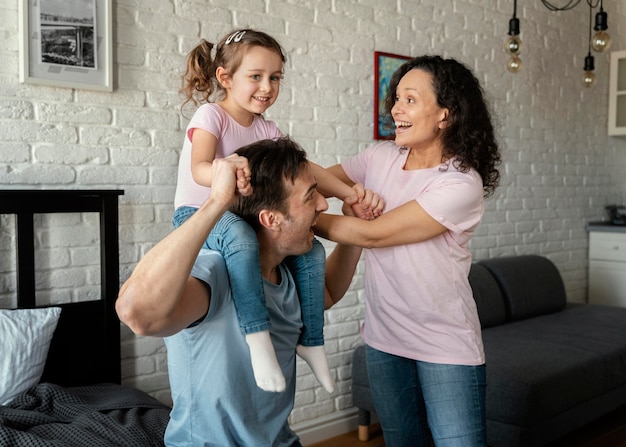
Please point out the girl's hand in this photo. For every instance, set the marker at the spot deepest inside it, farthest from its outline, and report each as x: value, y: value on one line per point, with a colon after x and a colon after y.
x: 244, y: 188
x: 351, y: 207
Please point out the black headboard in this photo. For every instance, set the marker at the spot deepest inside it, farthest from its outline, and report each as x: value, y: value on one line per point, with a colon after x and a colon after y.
x: 85, y: 348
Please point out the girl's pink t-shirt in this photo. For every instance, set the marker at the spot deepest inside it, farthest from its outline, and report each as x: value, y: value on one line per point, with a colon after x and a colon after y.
x: 230, y: 135
x: 419, y: 303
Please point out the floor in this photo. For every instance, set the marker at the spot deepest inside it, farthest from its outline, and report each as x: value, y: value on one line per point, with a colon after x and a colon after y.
x: 352, y: 440
x: 609, y: 431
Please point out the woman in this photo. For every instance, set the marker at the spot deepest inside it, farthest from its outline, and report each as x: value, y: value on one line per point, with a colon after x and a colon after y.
x: 425, y: 356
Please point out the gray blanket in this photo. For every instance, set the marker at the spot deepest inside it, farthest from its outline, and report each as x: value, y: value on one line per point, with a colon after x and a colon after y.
x: 96, y: 415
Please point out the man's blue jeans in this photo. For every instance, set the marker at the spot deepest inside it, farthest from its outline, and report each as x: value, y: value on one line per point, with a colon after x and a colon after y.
x: 237, y: 242
x: 415, y: 399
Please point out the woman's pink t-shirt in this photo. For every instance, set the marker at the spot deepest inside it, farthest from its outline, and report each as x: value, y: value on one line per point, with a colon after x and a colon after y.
x: 419, y: 303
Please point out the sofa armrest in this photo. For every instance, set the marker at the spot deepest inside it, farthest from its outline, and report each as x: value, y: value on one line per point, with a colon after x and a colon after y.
x: 531, y: 285
x: 488, y: 297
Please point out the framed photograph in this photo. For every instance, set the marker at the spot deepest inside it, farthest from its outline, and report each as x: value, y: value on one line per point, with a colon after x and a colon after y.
x: 385, y: 64
x: 66, y: 43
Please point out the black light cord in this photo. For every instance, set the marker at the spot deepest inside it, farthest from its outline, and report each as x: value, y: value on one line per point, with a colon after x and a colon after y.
x: 590, y: 15
x: 589, y: 60
x: 569, y: 5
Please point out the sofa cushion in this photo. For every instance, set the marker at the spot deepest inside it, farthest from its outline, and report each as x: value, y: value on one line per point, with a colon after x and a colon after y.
x: 541, y: 367
x: 530, y: 284
x: 487, y: 295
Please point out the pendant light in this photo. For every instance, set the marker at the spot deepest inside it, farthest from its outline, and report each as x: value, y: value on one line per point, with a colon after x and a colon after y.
x: 589, y: 78
x: 513, y: 44
x: 601, y: 41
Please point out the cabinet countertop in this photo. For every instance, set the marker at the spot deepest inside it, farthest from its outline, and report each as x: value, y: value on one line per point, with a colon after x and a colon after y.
x: 606, y: 226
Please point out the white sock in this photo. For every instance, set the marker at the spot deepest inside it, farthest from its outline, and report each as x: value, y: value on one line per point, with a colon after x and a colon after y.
x: 267, y: 372
x: 315, y: 356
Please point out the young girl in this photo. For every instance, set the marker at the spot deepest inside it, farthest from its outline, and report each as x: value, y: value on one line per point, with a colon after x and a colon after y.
x: 243, y: 78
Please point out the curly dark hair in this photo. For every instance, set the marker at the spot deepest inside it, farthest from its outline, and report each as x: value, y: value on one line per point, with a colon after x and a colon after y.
x: 469, y: 136
x: 272, y: 164
x: 199, y: 81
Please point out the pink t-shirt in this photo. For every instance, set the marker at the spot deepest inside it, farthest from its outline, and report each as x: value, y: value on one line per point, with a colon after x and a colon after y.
x: 230, y: 135
x: 419, y: 303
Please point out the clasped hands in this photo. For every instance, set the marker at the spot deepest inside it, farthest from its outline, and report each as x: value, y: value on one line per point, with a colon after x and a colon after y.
x: 365, y: 204
x: 230, y: 177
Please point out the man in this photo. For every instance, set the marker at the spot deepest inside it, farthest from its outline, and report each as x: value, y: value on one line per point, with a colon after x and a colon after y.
x: 181, y: 292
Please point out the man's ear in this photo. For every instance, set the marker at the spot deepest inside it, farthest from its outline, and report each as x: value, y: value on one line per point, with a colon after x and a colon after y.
x: 222, y: 77
x: 270, y: 219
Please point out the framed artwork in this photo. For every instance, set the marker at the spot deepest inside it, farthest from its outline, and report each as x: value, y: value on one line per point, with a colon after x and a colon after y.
x: 66, y: 43
x: 385, y: 64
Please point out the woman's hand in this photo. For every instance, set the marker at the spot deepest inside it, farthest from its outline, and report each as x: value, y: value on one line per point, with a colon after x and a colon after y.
x: 365, y: 204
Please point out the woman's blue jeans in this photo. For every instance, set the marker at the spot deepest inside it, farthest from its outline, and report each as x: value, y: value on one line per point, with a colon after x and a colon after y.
x: 237, y: 242
x: 415, y: 400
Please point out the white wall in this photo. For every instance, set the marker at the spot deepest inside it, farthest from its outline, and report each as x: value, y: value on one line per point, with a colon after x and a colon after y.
x: 560, y: 168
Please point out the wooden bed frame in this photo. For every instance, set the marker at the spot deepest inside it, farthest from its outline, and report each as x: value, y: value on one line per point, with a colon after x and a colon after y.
x: 85, y: 348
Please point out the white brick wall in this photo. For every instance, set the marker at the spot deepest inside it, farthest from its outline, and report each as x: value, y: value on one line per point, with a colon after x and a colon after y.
x: 559, y: 170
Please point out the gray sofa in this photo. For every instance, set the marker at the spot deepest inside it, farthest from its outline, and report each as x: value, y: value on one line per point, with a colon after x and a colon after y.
x: 552, y: 367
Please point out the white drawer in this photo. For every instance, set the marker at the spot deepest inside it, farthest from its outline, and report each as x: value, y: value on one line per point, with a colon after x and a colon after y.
x: 607, y: 246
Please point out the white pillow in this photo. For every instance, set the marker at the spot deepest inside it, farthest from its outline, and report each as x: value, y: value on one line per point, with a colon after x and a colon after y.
x: 25, y: 336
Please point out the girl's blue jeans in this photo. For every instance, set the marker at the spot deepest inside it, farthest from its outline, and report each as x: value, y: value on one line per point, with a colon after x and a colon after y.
x: 237, y: 242
x: 415, y: 400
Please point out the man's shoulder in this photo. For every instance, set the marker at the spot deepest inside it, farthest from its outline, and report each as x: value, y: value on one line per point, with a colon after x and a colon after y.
x: 210, y: 268
x: 209, y: 253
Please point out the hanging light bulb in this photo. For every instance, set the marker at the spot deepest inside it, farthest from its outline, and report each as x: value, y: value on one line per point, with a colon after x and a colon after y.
x: 601, y: 40
x: 514, y: 64
x: 513, y: 44
x: 589, y: 78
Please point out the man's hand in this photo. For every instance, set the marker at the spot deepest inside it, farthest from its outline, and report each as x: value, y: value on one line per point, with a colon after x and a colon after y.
x: 231, y: 176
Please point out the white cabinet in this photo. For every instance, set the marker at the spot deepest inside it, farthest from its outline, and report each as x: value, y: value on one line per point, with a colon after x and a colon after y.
x: 607, y: 268
x: 617, y: 94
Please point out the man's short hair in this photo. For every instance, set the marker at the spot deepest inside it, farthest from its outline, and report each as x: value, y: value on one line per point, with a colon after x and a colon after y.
x: 272, y: 163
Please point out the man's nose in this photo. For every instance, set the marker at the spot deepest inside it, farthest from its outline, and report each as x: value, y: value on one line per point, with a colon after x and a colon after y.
x: 322, y: 203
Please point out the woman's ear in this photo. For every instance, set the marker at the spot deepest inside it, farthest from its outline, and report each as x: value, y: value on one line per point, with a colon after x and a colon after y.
x: 443, y: 123
x: 222, y: 77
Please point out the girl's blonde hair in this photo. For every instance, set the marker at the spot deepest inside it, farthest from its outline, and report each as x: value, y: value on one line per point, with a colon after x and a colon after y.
x: 199, y: 80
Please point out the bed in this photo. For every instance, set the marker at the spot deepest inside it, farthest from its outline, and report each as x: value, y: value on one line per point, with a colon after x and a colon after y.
x: 60, y: 365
